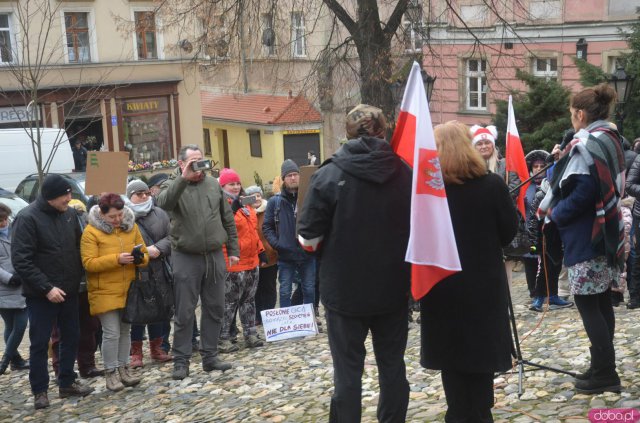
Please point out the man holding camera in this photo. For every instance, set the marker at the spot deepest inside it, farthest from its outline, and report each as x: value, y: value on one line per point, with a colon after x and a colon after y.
x: 201, y: 223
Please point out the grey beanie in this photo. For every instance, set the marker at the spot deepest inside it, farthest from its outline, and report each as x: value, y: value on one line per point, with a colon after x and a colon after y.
x: 289, y: 166
x: 135, y: 186
x: 253, y: 189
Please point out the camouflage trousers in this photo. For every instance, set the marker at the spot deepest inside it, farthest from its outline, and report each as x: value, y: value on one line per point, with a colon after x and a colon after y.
x: 239, y: 295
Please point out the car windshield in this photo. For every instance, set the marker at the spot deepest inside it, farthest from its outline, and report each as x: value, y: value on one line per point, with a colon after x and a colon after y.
x: 14, y: 203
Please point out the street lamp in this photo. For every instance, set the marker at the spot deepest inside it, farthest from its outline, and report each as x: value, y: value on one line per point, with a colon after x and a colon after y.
x: 399, y: 85
x: 623, y: 84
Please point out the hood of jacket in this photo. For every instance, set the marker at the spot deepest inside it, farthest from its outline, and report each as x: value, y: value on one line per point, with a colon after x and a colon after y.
x: 95, y: 219
x: 368, y: 158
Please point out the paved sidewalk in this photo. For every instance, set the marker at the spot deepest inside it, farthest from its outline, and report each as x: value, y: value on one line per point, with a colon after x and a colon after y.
x: 291, y: 381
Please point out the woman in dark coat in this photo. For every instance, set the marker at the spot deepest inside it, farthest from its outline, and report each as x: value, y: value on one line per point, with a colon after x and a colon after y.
x: 464, y: 320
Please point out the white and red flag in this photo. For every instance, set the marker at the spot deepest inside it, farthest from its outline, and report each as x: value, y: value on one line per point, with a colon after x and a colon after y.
x: 514, y: 157
x: 432, y: 245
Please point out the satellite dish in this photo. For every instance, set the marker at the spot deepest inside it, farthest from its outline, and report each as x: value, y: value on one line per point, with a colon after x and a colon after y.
x: 222, y: 47
x: 186, y: 46
x: 268, y: 37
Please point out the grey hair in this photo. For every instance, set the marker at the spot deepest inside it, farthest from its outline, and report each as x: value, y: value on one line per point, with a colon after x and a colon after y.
x: 182, y: 155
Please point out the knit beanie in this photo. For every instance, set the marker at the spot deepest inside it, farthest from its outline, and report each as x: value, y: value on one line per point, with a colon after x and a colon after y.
x: 54, y: 186
x: 227, y: 176
x: 136, y: 186
x: 288, y: 166
x: 253, y: 189
x: 366, y: 120
x: 157, y: 179
x: 490, y: 133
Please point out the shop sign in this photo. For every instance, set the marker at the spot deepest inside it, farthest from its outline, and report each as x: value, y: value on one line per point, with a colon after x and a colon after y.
x: 144, y: 105
x: 17, y: 114
x: 301, y: 131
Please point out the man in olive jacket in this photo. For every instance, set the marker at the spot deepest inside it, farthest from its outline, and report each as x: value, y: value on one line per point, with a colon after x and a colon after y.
x: 201, y: 223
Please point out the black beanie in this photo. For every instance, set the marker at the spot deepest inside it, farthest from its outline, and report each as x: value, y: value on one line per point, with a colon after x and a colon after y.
x: 54, y: 186
x: 288, y: 167
x: 157, y: 179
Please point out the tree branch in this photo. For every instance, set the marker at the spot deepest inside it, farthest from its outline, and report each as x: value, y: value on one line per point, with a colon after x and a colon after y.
x: 396, y: 18
x: 343, y: 15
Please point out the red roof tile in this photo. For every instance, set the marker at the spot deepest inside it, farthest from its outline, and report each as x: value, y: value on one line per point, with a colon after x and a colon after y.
x: 258, y: 108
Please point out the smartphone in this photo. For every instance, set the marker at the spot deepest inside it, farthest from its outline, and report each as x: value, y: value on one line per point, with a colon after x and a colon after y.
x: 247, y: 201
x: 201, y: 165
x: 137, y: 250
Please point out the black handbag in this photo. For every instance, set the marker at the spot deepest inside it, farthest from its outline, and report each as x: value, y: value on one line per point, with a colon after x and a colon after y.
x: 149, y: 300
x: 520, y: 244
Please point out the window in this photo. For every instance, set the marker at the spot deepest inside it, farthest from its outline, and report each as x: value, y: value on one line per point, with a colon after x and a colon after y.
x: 254, y: 143
x: 546, y: 68
x: 268, y: 35
x: 77, y: 32
x: 476, y: 97
x: 298, y: 48
x: 413, y: 26
x: 6, y: 50
x: 147, y: 129
x: 146, y: 35
x: 206, y: 135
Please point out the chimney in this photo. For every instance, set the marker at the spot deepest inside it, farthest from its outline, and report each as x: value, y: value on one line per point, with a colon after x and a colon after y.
x: 290, y: 94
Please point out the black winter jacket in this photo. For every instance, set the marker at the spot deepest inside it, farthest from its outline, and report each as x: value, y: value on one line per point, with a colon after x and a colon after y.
x: 279, y: 227
x: 632, y: 186
x: 154, y: 228
x: 45, y: 249
x: 359, y: 201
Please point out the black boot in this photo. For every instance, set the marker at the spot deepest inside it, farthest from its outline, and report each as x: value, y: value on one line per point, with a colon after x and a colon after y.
x: 4, y: 364
x: 586, y: 375
x: 603, y: 375
x: 19, y: 363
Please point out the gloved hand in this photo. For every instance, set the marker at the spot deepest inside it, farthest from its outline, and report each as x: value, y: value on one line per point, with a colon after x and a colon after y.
x: 236, y: 205
x: 138, y: 256
x: 15, y: 280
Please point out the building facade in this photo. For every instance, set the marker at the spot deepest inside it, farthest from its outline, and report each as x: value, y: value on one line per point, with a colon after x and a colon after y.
x: 108, y: 72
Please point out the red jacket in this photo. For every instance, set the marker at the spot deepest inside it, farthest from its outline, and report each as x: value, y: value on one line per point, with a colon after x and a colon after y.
x: 248, y: 239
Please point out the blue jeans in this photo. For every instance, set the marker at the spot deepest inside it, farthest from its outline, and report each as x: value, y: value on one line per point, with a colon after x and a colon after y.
x: 307, y: 272
x: 15, y: 323
x: 42, y: 315
x: 155, y: 330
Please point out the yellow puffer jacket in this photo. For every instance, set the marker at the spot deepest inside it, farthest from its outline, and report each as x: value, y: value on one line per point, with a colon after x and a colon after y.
x: 107, y: 280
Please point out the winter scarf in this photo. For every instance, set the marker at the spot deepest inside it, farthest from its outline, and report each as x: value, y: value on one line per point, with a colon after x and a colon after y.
x: 95, y: 219
x: 141, y: 209
x: 596, y: 151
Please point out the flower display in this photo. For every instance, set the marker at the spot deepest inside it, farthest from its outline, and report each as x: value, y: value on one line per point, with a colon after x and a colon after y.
x: 136, y: 167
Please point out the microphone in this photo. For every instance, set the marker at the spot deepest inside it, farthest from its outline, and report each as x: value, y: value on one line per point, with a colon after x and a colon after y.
x: 567, y: 136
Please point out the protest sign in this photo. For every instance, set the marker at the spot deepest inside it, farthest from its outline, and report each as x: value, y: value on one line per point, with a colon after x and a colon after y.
x: 289, y: 322
x: 107, y: 171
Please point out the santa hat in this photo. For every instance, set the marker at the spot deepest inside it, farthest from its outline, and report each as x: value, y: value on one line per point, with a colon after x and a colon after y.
x: 490, y: 133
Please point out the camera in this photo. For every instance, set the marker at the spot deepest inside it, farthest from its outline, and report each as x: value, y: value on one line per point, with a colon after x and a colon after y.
x: 247, y: 201
x: 201, y: 165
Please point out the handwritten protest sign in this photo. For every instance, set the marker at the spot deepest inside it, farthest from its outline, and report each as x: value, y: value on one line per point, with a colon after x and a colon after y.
x: 289, y: 322
x: 107, y: 171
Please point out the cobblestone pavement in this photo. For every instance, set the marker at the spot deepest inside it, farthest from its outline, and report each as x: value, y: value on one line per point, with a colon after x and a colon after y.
x: 291, y: 381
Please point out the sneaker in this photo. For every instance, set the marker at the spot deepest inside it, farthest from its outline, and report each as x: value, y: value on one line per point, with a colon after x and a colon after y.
x: 40, y: 401
x: 536, y: 304
x: 557, y: 302
x: 215, y: 364
x: 76, y: 389
x: 180, y: 371
x: 252, y: 341
x: 226, y: 346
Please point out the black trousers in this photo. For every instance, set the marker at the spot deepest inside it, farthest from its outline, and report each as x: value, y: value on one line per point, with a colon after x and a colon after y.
x: 267, y: 292
x: 469, y: 396
x: 548, y: 273
x: 346, y: 340
x: 530, y: 271
x: 598, y: 318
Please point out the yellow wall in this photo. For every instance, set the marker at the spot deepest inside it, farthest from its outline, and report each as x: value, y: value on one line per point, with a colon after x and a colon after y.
x: 240, y: 159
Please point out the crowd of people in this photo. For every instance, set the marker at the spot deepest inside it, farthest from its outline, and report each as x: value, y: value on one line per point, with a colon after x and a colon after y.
x: 66, y: 269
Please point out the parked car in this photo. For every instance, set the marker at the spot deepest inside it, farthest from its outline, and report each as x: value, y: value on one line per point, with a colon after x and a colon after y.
x: 13, y: 201
x: 29, y: 187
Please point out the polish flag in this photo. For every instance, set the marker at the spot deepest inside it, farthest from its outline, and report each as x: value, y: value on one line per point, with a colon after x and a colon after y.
x: 514, y: 157
x: 432, y: 245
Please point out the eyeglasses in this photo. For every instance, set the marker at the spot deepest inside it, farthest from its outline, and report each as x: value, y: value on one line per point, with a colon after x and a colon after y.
x: 142, y: 193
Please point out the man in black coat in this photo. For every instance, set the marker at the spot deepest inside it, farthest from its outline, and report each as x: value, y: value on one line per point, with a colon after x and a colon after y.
x: 357, y: 210
x: 45, y: 252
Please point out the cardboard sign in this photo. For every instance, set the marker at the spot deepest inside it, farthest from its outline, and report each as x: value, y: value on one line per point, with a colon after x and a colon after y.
x: 107, y: 171
x: 289, y: 322
x: 306, y: 172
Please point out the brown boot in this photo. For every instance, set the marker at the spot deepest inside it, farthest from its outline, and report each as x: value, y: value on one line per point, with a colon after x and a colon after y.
x: 157, y: 353
x: 113, y: 380
x: 126, y: 377
x: 135, y: 360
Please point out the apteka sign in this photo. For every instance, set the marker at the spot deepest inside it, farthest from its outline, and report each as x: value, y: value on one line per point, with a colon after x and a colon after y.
x: 289, y: 322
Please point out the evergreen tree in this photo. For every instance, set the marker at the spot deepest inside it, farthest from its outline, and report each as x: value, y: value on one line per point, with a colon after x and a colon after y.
x: 542, y: 113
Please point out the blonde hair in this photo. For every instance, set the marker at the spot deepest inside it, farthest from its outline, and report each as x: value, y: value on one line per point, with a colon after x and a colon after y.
x: 459, y: 160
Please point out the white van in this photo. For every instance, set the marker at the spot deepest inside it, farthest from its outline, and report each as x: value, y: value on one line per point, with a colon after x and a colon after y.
x: 16, y: 154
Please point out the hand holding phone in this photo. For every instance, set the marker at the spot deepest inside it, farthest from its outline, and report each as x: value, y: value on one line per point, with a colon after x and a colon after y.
x: 137, y: 254
x: 248, y: 200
